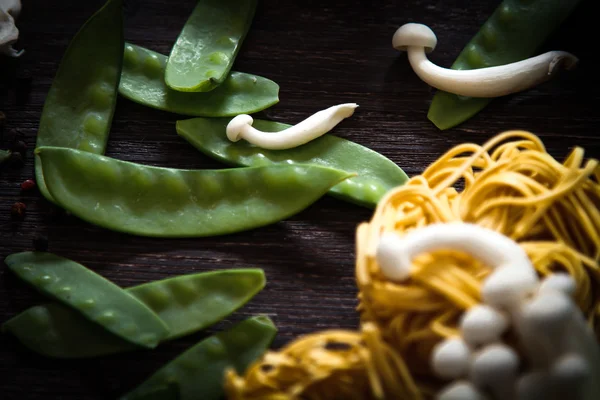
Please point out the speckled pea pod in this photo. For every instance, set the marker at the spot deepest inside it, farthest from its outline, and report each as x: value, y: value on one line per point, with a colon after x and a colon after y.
x: 376, y: 174
x: 514, y: 32
x: 79, y: 107
x: 94, y: 297
x: 199, y: 371
x: 164, y: 202
x: 142, y: 81
x: 205, y: 50
x: 186, y: 304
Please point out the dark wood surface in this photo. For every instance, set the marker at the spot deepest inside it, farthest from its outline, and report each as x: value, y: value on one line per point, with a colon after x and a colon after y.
x: 321, y: 53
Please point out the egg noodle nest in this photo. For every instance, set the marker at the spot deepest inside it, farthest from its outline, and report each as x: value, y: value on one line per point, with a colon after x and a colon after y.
x: 511, y: 185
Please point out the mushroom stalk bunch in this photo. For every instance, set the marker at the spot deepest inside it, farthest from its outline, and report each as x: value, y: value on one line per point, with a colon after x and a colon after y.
x: 418, y: 40
x: 559, y: 352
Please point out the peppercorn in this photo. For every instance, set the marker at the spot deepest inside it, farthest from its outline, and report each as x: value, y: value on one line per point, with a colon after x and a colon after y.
x: 40, y: 242
x: 28, y: 185
x: 17, y: 211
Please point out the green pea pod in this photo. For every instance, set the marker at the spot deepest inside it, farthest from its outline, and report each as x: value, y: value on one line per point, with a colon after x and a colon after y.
x: 142, y: 81
x: 163, y: 202
x: 199, y: 371
x: 96, y: 298
x: 513, y: 33
x: 4, y: 156
x: 207, y: 46
x: 79, y: 107
x: 186, y: 304
x: 376, y: 174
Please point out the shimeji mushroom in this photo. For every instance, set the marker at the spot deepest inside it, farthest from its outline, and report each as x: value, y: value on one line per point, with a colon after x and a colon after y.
x: 311, y: 128
x: 9, y: 11
x: 418, y: 39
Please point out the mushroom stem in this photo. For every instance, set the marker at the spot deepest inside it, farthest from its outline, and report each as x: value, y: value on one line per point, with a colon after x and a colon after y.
x: 418, y: 39
x: 492, y: 81
x: 311, y: 128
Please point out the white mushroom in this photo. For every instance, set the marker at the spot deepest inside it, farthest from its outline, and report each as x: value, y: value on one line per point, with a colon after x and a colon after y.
x: 495, y: 368
x: 483, y: 324
x: 543, y: 324
x: 507, y: 287
x: 534, y: 385
x: 418, y: 39
x: 460, y: 391
x: 570, y: 375
x: 9, y: 11
x: 450, y: 358
x: 395, y: 253
x: 311, y: 128
x: 559, y: 281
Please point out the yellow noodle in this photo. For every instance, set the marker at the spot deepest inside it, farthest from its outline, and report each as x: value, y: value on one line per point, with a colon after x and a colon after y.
x: 511, y: 185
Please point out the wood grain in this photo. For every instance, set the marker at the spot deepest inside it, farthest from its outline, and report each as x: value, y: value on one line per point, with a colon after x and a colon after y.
x: 321, y: 53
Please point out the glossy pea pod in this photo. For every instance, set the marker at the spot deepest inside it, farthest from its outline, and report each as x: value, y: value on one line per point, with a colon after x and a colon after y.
x: 93, y: 296
x: 376, y: 174
x: 199, y: 371
x: 205, y: 50
x: 79, y: 107
x: 142, y: 81
x: 514, y: 32
x: 186, y: 304
x: 163, y: 202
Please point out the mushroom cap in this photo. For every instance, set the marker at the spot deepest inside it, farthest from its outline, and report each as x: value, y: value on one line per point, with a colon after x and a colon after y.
x: 237, y: 125
x: 417, y: 35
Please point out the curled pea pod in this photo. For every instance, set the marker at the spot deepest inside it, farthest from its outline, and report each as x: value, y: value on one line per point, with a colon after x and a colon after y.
x: 94, y: 297
x: 186, y: 304
x: 163, y: 202
x: 513, y: 32
x: 142, y: 81
x: 199, y: 371
x: 80, y: 104
x: 207, y: 46
x: 376, y: 174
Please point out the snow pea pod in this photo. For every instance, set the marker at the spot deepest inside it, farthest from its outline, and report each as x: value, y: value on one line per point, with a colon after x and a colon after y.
x: 513, y: 33
x: 163, y: 202
x: 376, y: 174
x: 79, y: 107
x: 199, y: 371
x: 93, y: 296
x: 186, y: 304
x: 207, y: 46
x: 142, y: 81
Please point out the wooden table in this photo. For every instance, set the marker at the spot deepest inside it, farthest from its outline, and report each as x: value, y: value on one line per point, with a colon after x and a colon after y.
x: 321, y: 53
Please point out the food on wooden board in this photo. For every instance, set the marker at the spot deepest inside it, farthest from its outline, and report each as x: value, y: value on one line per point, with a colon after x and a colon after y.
x: 185, y: 304
x: 208, y: 44
x: 480, y: 293
x: 418, y: 39
x: 514, y: 32
x: 375, y: 174
x: 165, y: 202
x: 318, y: 124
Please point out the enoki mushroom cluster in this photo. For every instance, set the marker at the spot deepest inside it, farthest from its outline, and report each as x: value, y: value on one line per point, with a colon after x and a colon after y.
x: 511, y: 186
